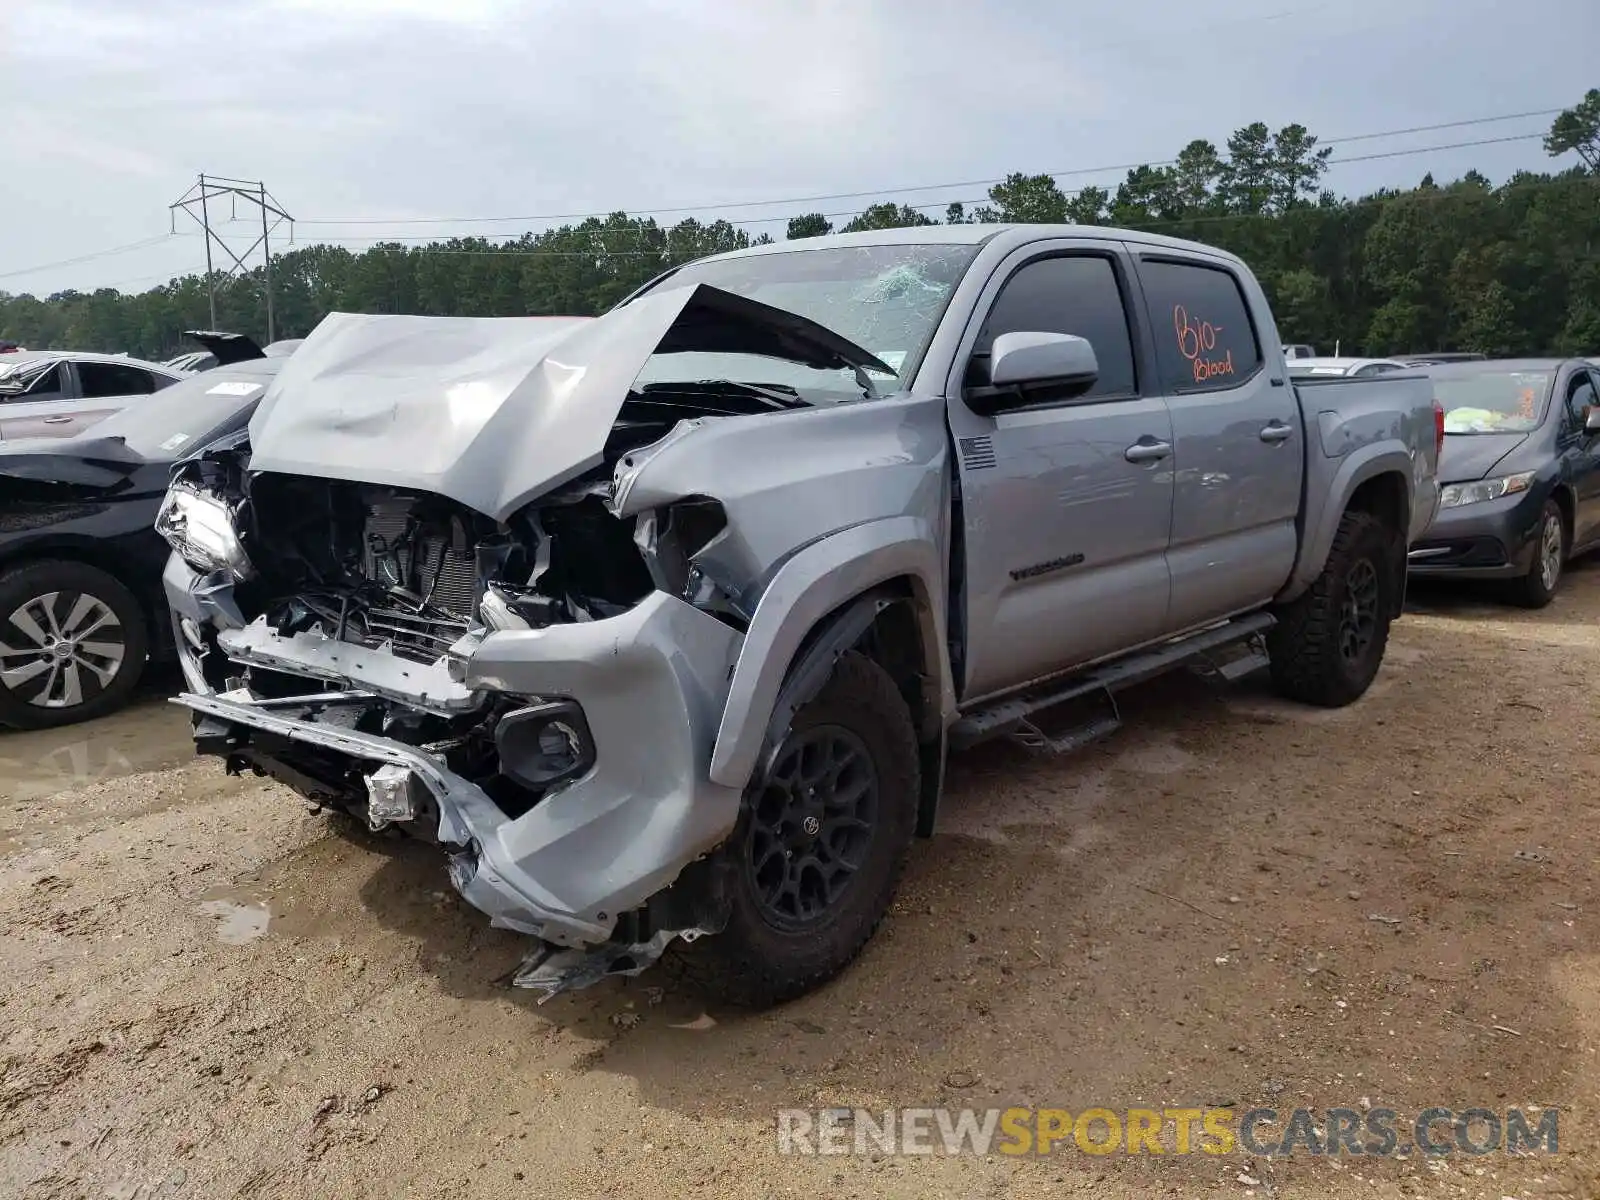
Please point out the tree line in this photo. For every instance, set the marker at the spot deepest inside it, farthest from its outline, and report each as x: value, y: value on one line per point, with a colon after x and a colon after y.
x: 1459, y: 265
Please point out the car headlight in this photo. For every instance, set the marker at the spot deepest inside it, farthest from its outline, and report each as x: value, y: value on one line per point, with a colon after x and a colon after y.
x: 1456, y: 494
x: 199, y: 526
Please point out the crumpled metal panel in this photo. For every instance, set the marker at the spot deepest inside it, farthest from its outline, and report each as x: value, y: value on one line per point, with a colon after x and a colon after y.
x: 494, y: 411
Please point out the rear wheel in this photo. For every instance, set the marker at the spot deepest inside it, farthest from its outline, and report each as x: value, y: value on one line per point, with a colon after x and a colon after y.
x: 813, y: 864
x: 72, y: 644
x: 1329, y: 643
x: 1538, y: 587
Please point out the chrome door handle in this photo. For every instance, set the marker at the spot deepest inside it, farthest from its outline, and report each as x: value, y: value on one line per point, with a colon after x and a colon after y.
x: 57, y: 420
x: 1147, y: 451
x: 1277, y: 433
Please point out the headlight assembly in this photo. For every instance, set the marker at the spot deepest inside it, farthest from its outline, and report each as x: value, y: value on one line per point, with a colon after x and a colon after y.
x: 200, y: 527
x: 1456, y: 494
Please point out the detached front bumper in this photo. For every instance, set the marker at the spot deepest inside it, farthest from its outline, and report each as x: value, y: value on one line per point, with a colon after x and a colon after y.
x: 1492, y: 540
x: 651, y: 686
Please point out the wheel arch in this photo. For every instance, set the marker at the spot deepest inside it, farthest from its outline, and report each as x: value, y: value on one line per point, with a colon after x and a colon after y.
x: 1376, y: 480
x: 1386, y: 497
x: 1567, y: 503
x: 875, y: 588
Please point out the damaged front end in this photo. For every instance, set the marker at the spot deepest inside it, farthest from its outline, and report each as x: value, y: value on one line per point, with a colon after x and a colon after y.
x: 415, y: 664
x: 512, y: 663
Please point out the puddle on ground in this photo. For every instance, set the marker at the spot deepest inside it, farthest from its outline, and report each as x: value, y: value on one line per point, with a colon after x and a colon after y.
x: 237, y: 923
x: 149, y: 735
x: 269, y: 896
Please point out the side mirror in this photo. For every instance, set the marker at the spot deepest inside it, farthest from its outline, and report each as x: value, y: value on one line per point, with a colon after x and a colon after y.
x: 1026, y: 368
x: 1591, y: 419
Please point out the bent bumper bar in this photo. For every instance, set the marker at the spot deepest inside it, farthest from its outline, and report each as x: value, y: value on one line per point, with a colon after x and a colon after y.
x: 652, y: 683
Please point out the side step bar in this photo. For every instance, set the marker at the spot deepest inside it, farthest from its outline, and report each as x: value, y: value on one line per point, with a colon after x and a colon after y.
x: 1069, y: 714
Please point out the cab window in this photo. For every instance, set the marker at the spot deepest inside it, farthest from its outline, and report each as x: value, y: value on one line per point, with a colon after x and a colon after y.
x: 1078, y: 294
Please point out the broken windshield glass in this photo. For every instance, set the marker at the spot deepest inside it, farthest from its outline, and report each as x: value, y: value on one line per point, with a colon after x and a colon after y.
x: 887, y: 299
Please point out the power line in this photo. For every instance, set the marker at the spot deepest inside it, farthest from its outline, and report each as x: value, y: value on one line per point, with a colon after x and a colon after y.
x: 434, y: 237
x: 1177, y: 222
x: 91, y: 257
x: 894, y: 191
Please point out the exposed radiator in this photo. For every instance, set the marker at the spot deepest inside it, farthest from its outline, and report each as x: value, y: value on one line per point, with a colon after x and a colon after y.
x: 398, y: 556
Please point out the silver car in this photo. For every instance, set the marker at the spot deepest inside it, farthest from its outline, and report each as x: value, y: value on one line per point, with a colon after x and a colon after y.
x: 1346, y: 368
x: 60, y: 393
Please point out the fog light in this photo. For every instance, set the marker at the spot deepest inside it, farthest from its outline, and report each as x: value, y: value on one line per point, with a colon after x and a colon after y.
x: 545, y: 744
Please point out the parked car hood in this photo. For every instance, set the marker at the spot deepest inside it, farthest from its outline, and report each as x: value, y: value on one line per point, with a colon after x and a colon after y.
x: 492, y: 412
x: 1467, y: 457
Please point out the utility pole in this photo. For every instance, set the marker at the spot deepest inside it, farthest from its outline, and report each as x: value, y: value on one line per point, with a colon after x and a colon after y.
x: 209, y: 188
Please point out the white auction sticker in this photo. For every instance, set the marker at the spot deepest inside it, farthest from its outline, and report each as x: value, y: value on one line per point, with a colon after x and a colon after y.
x: 234, y: 388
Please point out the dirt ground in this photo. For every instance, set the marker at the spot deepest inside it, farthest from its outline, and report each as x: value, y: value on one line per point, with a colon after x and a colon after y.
x: 207, y: 991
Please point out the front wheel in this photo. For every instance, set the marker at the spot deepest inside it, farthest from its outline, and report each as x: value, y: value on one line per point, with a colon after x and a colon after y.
x: 812, y: 866
x: 72, y: 644
x: 1538, y: 587
x: 1328, y: 644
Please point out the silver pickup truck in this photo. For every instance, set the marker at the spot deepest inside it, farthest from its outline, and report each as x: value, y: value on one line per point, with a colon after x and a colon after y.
x: 662, y: 623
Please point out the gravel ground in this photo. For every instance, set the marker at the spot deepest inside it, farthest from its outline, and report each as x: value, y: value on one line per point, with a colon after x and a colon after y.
x: 205, y: 991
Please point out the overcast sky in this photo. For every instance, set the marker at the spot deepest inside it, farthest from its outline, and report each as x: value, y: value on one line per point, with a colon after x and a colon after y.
x: 495, y: 108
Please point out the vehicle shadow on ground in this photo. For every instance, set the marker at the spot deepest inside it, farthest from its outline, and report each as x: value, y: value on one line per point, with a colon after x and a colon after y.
x: 1198, y: 891
x: 1473, y: 598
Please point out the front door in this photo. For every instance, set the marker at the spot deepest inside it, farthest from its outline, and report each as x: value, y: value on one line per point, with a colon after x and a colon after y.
x: 46, y: 409
x: 1580, y: 453
x: 1066, y: 505
x: 1239, y: 450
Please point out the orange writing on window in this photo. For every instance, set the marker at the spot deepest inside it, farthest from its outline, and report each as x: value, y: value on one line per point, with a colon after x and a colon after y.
x: 1198, y: 344
x: 1525, y: 404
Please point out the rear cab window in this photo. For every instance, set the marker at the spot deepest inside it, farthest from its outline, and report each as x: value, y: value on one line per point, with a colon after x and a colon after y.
x: 1205, y: 337
x: 1076, y: 293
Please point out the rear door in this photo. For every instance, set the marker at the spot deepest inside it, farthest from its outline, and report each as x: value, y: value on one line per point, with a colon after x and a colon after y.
x: 1067, y: 504
x: 1238, y: 444
x: 106, y: 387
x: 46, y: 409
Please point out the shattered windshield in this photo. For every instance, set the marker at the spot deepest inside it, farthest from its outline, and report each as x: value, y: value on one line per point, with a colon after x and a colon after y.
x: 885, y: 299
x: 1492, y: 401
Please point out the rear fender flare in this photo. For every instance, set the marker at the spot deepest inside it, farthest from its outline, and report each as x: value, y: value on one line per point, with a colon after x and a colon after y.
x: 1322, y: 523
x: 817, y: 582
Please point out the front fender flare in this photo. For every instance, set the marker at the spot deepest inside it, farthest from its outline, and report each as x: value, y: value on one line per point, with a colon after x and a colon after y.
x: 812, y: 584
x: 1354, y: 469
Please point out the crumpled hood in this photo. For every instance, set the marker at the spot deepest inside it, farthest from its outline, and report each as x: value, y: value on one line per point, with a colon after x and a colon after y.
x: 494, y: 411
x: 1468, y: 457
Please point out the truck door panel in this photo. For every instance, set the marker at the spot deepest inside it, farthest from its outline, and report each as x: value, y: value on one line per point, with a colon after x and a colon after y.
x: 1065, y: 534
x: 1238, y: 443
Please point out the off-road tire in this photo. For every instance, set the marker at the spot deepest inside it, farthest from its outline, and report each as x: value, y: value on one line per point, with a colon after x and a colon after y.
x: 1308, y: 663
x: 752, y: 963
x: 24, y: 583
x: 1531, y: 591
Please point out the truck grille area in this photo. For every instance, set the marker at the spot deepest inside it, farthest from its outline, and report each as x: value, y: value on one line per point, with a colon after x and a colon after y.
x: 402, y: 572
x: 427, y: 580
